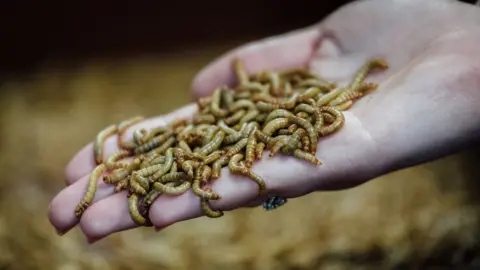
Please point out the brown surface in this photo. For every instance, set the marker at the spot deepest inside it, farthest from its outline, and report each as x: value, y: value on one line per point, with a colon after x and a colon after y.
x: 425, y: 214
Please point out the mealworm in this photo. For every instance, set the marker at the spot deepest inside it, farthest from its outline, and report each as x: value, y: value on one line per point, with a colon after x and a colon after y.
x: 112, y: 161
x: 307, y: 157
x: 349, y: 95
x: 308, y: 94
x: 235, y: 137
x: 279, y: 113
x: 227, y: 97
x: 242, y: 104
x: 214, y: 144
x: 323, y: 85
x: 175, y: 190
x: 228, y: 130
x: 259, y: 150
x: 189, y: 166
x: 91, y: 189
x: 138, y: 184
x: 186, y: 132
x: 235, y: 117
x: 240, y: 71
x: 174, y: 168
x: 234, y: 167
x: 139, y: 135
x: 265, y: 97
x: 120, y: 174
x: 165, y: 168
x: 215, y: 104
x: 303, y: 115
x: 209, y: 134
x: 204, y: 119
x: 278, y: 145
x: 364, y: 70
x: 121, y: 185
x: 135, y: 213
x: 241, y: 95
x: 197, y: 190
x: 325, y: 99
x: 237, y: 147
x: 206, y: 210
x: 262, y: 136
x: 203, y: 102
x: 153, y: 143
x: 123, y: 127
x: 250, y: 150
x: 249, y: 116
x: 305, y: 143
x: 152, y: 133
x: 294, y: 140
x: 152, y: 160
x: 275, y: 125
x: 284, y: 131
x: 206, y: 174
x: 214, y: 156
x: 311, y: 132
x: 328, y: 118
x: 262, y: 186
x: 275, y: 139
x: 100, y: 140
x: 217, y: 167
x: 184, y: 146
x: 160, y: 150
x: 304, y: 108
x: 261, y: 117
x: 344, y: 106
x: 336, y: 125
x: 287, y: 89
x: 173, y: 177
x: 292, y: 128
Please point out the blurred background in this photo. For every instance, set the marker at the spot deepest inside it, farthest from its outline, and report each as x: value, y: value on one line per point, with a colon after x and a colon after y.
x: 67, y: 69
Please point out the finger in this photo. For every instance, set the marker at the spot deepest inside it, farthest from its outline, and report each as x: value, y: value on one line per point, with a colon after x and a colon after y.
x: 83, y: 162
x: 280, y: 52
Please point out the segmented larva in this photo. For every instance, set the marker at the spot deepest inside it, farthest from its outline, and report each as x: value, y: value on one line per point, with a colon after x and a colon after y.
x: 237, y: 147
x: 91, y: 189
x: 197, y: 189
x: 214, y: 144
x: 206, y: 210
x: 363, y: 71
x: 259, y: 150
x: 275, y: 125
x: 306, y: 156
x: 217, y: 167
x: 153, y: 143
x: 278, y: 145
x: 98, y: 144
x: 112, y: 161
x: 242, y: 104
x: 336, y: 125
x: 215, y: 104
x: 123, y: 127
x: 240, y: 72
x: 135, y: 213
x: 344, y: 106
x: 175, y: 190
x: 250, y: 150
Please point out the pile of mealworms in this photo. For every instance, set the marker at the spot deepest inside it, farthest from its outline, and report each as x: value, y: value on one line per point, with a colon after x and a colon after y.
x: 285, y: 112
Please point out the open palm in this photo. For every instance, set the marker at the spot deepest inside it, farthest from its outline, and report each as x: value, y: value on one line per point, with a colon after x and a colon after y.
x: 424, y: 109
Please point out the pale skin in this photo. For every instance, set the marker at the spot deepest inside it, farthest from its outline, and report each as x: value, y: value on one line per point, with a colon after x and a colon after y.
x: 427, y: 106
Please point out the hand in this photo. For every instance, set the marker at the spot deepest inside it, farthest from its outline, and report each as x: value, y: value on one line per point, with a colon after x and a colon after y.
x: 425, y: 108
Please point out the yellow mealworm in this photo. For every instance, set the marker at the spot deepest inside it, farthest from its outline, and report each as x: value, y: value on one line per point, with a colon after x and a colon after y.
x: 91, y: 189
x: 275, y: 139
x: 214, y: 156
x: 303, y: 107
x: 112, y: 161
x: 153, y: 143
x: 235, y: 137
x: 209, y: 134
x: 261, y: 117
x: 250, y: 150
x: 349, y: 95
x: 122, y: 173
x: 100, y: 140
x: 294, y: 140
x: 259, y: 150
x: 189, y: 166
x: 364, y: 70
x: 323, y: 85
x: 284, y: 131
x: 292, y: 128
x: 174, y: 168
x: 240, y: 72
x: 249, y: 116
x: 197, y: 190
x: 139, y: 135
x: 303, y: 115
x: 160, y: 150
x: 262, y: 136
x: 184, y: 146
x: 237, y: 147
x: 135, y: 213
x: 279, y: 113
x: 308, y: 94
x: 306, y: 156
x: 265, y: 97
x: 176, y: 190
x: 311, y: 132
x: 214, y: 144
x: 204, y: 119
x: 242, y: 104
x: 165, y: 168
x: 336, y: 125
x: 241, y: 95
x: 287, y: 89
x: 328, y: 118
x: 203, y: 102
x: 278, y: 145
x: 228, y: 130
x: 121, y: 185
x: 215, y: 104
x: 153, y: 133
x: 186, y: 132
x: 234, y: 166
x: 123, y: 127
x: 305, y: 143
x: 227, y: 97
x: 344, y: 106
x: 152, y: 160
x: 173, y: 177
x: 206, y: 210
x: 206, y: 174
x: 262, y: 187
x: 138, y: 184
x: 217, y: 167
x: 325, y: 99
x: 275, y: 125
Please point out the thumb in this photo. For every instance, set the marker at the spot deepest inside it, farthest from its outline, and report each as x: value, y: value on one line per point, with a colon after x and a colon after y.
x: 285, y: 51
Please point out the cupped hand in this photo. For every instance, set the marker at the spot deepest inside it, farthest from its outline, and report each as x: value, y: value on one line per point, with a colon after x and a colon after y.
x: 426, y: 107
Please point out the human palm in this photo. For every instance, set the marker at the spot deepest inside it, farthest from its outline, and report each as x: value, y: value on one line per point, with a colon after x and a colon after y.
x: 423, y: 109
